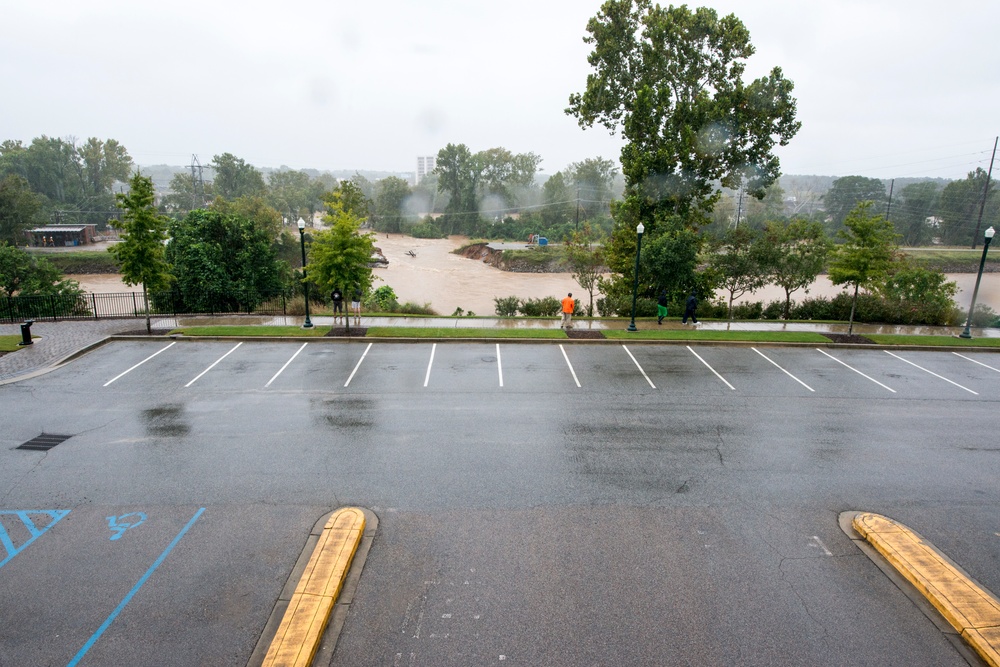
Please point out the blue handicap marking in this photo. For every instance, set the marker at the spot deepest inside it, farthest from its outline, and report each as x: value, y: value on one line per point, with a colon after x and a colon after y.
x: 124, y: 522
x: 27, y: 520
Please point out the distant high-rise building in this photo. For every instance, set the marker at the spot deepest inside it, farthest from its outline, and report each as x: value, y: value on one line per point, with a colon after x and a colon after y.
x: 425, y: 165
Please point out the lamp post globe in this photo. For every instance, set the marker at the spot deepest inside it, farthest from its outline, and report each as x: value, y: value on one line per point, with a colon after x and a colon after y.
x: 302, y: 241
x: 988, y: 236
x: 635, y: 279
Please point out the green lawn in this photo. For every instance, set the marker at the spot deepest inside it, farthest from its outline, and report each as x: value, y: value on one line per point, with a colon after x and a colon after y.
x: 702, y: 335
x: 450, y: 332
x: 943, y: 341
x: 9, y: 343
x: 290, y: 331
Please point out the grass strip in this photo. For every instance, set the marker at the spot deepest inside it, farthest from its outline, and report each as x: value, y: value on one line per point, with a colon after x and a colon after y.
x: 450, y: 332
x: 10, y: 343
x: 942, y: 341
x: 702, y: 335
x: 253, y: 330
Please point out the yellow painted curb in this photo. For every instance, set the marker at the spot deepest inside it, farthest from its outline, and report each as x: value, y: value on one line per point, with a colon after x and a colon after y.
x: 301, y: 629
x: 971, y: 609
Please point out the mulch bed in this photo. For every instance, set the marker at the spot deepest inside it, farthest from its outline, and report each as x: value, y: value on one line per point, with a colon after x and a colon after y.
x: 848, y: 338
x: 583, y: 334
x: 342, y: 332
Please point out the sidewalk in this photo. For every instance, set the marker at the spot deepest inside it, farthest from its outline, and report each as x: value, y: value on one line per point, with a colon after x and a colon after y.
x: 58, y: 340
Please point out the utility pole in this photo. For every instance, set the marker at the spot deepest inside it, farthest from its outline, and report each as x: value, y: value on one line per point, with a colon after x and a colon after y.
x: 197, y: 184
x: 578, y: 209
x: 888, y: 207
x: 739, y: 206
x: 986, y: 190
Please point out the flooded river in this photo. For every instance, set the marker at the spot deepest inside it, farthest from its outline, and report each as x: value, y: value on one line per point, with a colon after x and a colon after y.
x: 434, y: 275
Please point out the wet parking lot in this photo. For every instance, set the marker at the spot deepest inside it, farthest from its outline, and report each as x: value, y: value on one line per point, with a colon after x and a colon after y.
x: 550, y: 504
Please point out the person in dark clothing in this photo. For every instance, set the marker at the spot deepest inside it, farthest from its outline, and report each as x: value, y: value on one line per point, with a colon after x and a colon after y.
x: 690, y: 306
x: 338, y: 304
x: 661, y: 307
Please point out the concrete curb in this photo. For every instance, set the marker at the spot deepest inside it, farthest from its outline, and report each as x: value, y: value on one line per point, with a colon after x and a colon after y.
x: 308, y: 610
x: 973, y: 611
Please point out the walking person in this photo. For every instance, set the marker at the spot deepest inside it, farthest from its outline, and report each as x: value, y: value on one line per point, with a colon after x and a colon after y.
x: 356, y: 304
x: 338, y: 304
x: 568, y: 306
x: 661, y: 307
x: 690, y: 306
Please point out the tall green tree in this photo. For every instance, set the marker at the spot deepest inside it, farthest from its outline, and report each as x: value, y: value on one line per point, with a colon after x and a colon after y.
x: 24, y: 274
x: 558, y: 199
x: 912, y: 210
x: 959, y: 207
x: 20, y: 209
x: 235, y: 178
x: 348, y: 197
x: 223, y: 262
x: 740, y: 263
x: 391, y: 195
x: 795, y: 254
x: 671, y: 81
x: 340, y: 256
x: 593, y: 180
x: 289, y: 193
x: 458, y: 176
x: 586, y: 261
x: 866, y: 256
x: 140, y: 252
x: 847, y: 192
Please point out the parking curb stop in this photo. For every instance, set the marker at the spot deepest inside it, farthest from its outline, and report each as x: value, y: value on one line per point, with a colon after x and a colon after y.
x: 973, y: 611
x: 301, y: 629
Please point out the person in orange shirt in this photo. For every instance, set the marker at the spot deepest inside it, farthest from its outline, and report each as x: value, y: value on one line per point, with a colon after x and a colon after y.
x: 568, y: 306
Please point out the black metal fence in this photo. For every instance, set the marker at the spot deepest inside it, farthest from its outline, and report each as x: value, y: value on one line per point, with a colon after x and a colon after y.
x: 128, y: 305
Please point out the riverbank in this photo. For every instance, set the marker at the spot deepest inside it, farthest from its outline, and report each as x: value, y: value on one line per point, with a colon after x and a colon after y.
x: 427, y: 271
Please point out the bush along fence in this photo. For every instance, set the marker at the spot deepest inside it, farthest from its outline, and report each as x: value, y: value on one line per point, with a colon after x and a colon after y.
x: 131, y: 305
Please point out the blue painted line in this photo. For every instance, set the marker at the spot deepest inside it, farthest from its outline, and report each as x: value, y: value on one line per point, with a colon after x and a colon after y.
x: 135, y: 589
x: 24, y: 515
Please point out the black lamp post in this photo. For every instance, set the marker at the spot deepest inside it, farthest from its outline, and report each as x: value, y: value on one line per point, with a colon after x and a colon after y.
x: 982, y: 262
x: 635, y: 282
x: 302, y: 239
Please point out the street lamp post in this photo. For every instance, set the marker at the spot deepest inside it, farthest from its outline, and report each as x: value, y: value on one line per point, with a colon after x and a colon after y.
x: 302, y: 240
x: 635, y: 281
x: 982, y: 262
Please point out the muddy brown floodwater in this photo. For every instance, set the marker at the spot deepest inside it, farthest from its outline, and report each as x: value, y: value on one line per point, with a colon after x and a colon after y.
x: 446, y: 281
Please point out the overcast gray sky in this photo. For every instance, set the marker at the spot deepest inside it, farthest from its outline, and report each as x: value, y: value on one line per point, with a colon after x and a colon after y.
x: 885, y: 88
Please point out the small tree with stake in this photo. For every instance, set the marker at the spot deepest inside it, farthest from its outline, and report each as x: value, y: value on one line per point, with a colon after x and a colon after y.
x: 140, y: 253
x: 867, y: 254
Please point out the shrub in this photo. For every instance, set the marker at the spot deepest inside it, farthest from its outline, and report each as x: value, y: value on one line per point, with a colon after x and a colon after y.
x: 382, y: 300
x: 545, y: 307
x: 427, y: 229
x: 506, y: 306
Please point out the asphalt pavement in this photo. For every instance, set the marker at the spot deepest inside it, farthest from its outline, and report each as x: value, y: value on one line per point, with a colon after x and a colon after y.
x: 537, y: 503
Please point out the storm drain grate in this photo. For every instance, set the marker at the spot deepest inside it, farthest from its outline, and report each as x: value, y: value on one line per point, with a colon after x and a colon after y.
x: 44, y: 442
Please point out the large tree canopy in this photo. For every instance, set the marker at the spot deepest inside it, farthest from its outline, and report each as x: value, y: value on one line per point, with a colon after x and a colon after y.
x: 671, y: 81
x: 849, y: 191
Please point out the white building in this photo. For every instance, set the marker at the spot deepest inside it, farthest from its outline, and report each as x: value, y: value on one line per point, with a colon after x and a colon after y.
x: 425, y: 165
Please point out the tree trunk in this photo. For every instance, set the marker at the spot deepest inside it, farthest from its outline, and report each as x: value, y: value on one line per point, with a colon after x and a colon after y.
x: 788, y: 304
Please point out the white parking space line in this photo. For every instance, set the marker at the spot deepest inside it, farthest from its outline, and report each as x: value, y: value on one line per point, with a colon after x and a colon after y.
x: 931, y: 372
x: 976, y: 362
x: 285, y: 366
x: 856, y: 370
x: 639, y: 367
x: 139, y: 364
x: 358, y: 365
x: 783, y: 370
x: 213, y: 365
x: 710, y: 368
x: 499, y: 367
x: 566, y: 357
x: 427, y: 378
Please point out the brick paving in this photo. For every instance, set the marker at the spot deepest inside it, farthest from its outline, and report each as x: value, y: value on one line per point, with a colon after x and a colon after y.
x: 57, y: 340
